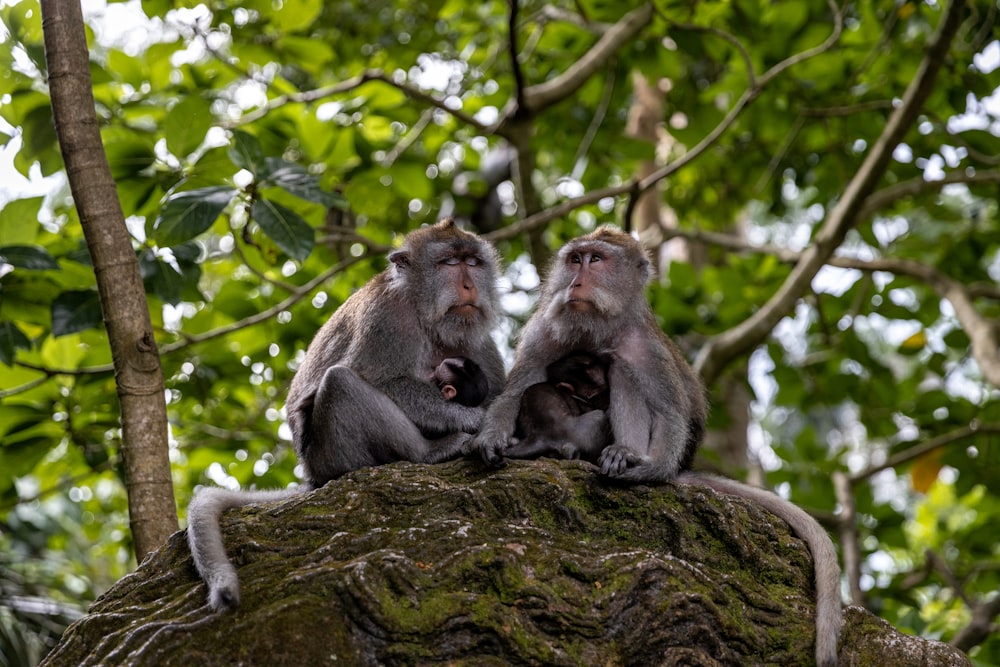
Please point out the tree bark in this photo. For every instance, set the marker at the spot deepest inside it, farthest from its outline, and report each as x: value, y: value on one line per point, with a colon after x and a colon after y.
x: 138, y: 375
x: 539, y: 563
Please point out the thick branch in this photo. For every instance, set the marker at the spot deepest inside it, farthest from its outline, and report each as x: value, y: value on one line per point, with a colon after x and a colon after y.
x: 980, y: 627
x: 982, y: 332
x: 544, y: 95
x: 844, y: 215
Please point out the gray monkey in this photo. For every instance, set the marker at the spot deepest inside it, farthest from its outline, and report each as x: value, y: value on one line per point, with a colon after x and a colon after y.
x: 593, y: 302
x: 367, y: 390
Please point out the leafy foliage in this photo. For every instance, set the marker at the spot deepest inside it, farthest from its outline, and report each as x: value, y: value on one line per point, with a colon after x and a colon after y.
x: 267, y: 154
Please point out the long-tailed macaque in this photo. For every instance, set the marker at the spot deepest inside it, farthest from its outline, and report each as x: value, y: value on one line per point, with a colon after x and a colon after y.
x: 366, y: 392
x: 593, y: 302
x: 565, y: 415
x: 462, y: 380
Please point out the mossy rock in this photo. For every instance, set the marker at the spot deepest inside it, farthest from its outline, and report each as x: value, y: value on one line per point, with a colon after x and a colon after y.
x: 539, y: 563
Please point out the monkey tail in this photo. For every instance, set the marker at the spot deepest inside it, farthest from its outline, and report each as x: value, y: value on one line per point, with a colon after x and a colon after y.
x: 829, y: 617
x: 205, y: 539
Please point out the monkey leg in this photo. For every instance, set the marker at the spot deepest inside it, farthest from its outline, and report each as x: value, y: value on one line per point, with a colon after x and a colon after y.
x: 355, y: 425
x: 532, y: 447
x: 587, y: 435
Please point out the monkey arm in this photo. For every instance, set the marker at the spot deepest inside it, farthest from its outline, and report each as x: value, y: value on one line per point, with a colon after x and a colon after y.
x: 651, y: 431
x: 423, y: 405
x: 501, y: 418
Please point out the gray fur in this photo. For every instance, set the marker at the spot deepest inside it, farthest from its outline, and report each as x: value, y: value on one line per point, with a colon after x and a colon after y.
x: 657, y: 405
x: 365, y: 393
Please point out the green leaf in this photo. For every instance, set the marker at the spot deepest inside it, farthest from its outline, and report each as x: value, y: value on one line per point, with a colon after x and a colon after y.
x: 13, y: 229
x: 172, y: 281
x: 246, y: 153
x: 285, y: 227
x: 28, y: 257
x: 186, y: 124
x: 11, y: 339
x: 129, y: 152
x: 296, y: 15
x: 76, y: 310
x: 187, y: 214
x: 294, y: 179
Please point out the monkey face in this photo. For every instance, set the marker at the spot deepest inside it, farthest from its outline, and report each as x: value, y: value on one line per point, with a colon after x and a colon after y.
x: 590, y: 279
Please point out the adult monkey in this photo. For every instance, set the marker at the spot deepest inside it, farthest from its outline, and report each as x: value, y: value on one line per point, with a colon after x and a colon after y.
x: 593, y: 302
x: 366, y: 392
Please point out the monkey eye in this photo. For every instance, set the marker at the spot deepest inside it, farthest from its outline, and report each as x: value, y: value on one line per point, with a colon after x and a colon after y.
x: 575, y: 258
x: 473, y: 261
x: 596, y: 257
x: 451, y: 261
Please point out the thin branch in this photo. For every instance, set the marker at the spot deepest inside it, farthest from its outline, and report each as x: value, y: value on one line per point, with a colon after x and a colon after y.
x: 595, y: 123
x: 942, y: 567
x: 297, y: 295
x: 848, y: 110
x: 264, y: 315
x: 751, y: 93
x: 845, y: 214
x: 850, y: 546
x: 352, y: 84
x: 553, y: 13
x: 404, y: 144
x: 915, y: 452
x: 515, y: 64
x: 915, y: 186
x: 28, y: 386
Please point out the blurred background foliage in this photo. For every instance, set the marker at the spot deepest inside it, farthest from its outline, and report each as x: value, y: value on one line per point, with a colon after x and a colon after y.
x: 267, y: 154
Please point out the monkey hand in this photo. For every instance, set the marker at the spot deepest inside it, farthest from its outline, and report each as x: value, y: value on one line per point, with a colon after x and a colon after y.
x: 492, y: 444
x: 615, y: 459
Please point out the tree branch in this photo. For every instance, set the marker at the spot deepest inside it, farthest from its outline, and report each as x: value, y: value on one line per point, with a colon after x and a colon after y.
x: 917, y: 451
x: 748, y: 334
x: 916, y: 186
x: 515, y: 64
x: 349, y: 85
x: 543, y: 95
x: 980, y: 627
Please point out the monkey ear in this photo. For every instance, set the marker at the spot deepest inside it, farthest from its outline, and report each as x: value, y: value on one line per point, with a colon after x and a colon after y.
x: 401, y: 258
x: 646, y: 269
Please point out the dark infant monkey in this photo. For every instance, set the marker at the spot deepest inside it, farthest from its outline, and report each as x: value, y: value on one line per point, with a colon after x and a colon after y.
x: 593, y: 301
x: 565, y: 415
x: 366, y: 393
x: 462, y: 380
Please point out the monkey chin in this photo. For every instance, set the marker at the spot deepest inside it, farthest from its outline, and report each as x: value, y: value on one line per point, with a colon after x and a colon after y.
x: 580, y: 306
x: 464, y: 310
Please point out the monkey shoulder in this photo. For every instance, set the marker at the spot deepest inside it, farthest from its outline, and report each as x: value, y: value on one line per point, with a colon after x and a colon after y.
x: 635, y: 346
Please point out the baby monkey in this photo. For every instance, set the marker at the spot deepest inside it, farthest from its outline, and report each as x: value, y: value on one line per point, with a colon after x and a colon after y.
x: 565, y: 415
x: 461, y: 380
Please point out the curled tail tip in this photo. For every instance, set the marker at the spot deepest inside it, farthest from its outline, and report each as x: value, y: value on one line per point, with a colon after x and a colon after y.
x: 224, y: 598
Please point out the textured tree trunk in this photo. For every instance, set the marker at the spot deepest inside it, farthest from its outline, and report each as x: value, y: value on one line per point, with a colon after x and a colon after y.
x: 138, y: 375
x: 539, y: 563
